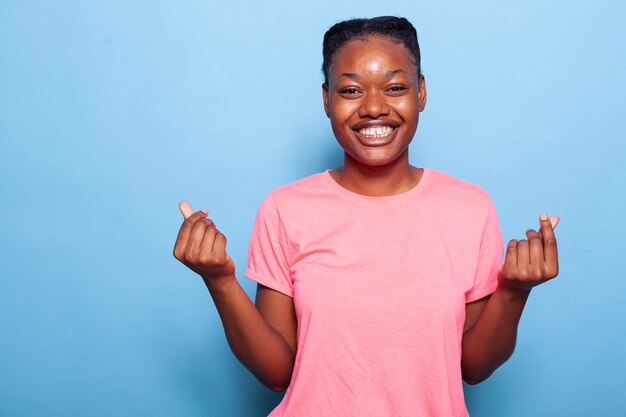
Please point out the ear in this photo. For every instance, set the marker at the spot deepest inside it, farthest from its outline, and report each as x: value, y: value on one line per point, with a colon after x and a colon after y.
x: 325, y: 97
x: 422, y: 93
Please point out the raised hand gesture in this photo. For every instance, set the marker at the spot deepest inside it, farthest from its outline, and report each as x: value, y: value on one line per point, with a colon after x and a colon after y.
x: 531, y: 262
x: 201, y: 247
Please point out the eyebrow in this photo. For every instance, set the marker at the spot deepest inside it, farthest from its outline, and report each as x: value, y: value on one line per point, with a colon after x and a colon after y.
x: 350, y: 75
x: 391, y: 74
x: 354, y: 76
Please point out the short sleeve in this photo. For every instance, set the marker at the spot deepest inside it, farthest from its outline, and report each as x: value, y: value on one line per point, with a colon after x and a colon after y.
x: 489, y: 258
x: 268, y: 260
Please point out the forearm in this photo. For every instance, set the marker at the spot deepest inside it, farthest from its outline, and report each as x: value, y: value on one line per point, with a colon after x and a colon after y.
x: 491, y: 340
x: 257, y: 345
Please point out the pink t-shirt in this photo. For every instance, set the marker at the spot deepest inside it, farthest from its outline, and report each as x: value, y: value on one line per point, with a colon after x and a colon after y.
x: 380, y: 286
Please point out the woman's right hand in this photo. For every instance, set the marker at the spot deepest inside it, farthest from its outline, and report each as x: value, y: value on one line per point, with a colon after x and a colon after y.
x: 201, y: 247
x: 264, y: 338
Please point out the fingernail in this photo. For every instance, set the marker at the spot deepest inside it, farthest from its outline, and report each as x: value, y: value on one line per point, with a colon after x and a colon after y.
x: 543, y: 217
x: 205, y: 211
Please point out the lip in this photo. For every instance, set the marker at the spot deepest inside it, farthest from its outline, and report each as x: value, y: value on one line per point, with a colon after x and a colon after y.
x: 376, y: 141
x: 375, y: 123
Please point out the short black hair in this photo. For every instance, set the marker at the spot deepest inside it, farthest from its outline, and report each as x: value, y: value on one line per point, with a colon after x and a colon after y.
x: 398, y: 29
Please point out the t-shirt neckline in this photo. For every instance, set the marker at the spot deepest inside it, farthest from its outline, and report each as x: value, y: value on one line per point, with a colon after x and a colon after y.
x: 337, y: 189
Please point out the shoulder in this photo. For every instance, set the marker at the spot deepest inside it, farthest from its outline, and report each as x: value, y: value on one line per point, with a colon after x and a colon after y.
x: 464, y: 205
x: 305, y: 194
x: 458, y: 197
x: 307, y: 185
x: 296, y: 196
x: 449, y: 186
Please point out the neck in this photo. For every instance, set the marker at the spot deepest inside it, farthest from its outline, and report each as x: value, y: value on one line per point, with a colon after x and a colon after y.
x: 394, y: 178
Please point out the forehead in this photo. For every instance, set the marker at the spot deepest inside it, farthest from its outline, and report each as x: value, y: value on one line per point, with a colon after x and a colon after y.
x: 371, y: 55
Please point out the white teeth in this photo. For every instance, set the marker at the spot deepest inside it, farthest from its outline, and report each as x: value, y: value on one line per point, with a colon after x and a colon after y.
x: 376, y: 132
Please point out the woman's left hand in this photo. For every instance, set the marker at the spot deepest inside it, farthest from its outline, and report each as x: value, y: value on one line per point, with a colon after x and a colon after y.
x: 531, y: 262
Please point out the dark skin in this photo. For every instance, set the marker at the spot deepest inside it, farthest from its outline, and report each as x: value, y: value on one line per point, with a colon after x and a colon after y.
x: 371, y: 85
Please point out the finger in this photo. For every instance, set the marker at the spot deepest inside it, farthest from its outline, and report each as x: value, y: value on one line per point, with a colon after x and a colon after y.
x: 206, y: 249
x: 554, y: 220
x: 182, y: 240
x: 510, y: 258
x: 550, y: 252
x: 195, y: 239
x: 523, y: 259
x: 535, y: 249
x: 219, y: 248
x: 186, y: 210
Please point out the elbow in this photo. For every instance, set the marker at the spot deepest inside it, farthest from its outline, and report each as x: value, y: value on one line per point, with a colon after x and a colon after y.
x: 275, y: 375
x: 475, y: 370
x: 474, y: 375
x: 474, y: 379
x: 277, y: 384
x: 278, y: 388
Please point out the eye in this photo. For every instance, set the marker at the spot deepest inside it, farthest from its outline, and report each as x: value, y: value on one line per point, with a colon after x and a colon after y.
x: 349, y: 92
x: 397, y: 90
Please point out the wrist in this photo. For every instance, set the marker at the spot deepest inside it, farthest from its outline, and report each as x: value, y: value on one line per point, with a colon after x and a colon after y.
x: 513, y: 291
x: 219, y: 284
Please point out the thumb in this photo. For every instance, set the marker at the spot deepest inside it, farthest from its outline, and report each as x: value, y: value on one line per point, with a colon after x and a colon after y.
x: 185, y: 209
x: 554, y: 220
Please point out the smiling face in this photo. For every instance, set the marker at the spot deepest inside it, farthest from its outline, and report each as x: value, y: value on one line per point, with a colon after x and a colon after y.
x: 373, y: 99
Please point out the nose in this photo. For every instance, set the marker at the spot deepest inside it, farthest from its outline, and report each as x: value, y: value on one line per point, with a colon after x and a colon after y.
x: 374, y: 105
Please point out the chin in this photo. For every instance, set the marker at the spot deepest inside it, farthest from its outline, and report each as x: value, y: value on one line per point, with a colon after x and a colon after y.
x: 377, y: 162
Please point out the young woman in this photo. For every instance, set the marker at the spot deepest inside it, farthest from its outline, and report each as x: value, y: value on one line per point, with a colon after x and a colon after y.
x: 380, y: 285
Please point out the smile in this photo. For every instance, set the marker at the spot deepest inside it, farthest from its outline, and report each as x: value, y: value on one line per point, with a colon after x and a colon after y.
x: 376, y: 132
x: 374, y: 136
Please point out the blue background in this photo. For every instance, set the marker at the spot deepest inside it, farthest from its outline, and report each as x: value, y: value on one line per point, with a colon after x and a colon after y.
x: 112, y: 112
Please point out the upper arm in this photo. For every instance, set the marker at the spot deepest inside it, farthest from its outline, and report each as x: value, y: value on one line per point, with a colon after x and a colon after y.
x: 279, y: 313
x: 473, y: 310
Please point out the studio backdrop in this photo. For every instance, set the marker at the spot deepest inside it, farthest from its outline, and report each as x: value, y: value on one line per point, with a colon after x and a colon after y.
x: 112, y: 112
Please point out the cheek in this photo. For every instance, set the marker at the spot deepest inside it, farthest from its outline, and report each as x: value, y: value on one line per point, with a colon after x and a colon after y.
x: 410, y: 112
x: 341, y: 110
x: 340, y: 118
